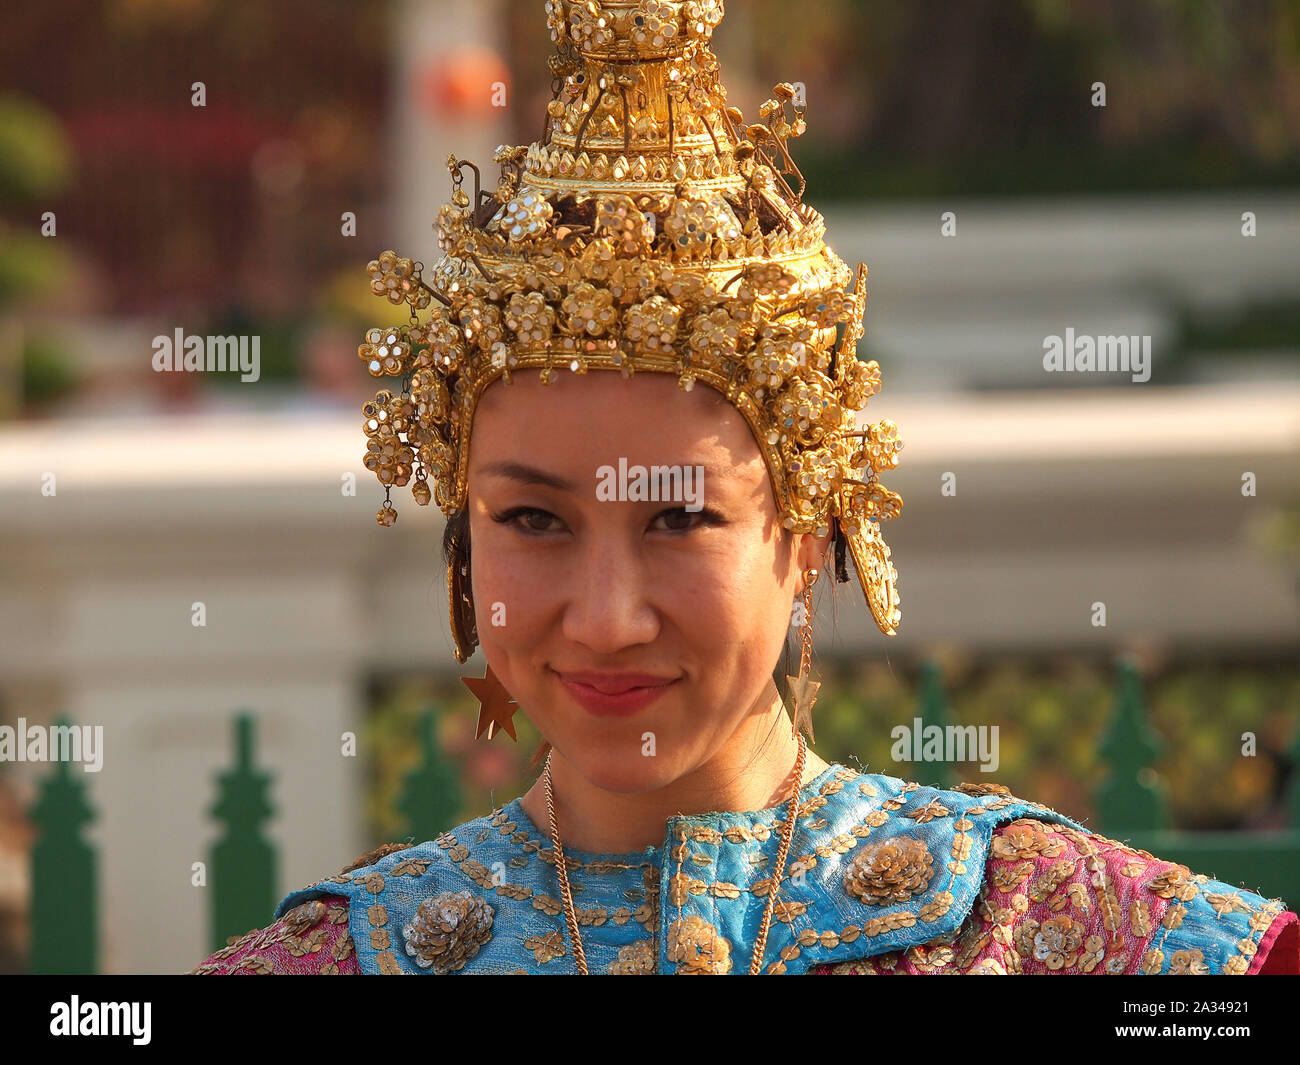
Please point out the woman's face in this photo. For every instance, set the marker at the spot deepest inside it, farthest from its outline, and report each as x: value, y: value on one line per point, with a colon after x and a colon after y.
x: 573, y: 577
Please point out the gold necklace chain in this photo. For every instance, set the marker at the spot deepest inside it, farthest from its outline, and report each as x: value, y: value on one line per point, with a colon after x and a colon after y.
x: 760, y: 945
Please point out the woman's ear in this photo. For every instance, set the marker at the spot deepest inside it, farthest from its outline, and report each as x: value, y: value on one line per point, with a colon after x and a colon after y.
x: 814, y: 552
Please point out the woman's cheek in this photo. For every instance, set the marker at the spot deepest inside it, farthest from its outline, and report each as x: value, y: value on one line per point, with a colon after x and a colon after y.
x: 511, y: 593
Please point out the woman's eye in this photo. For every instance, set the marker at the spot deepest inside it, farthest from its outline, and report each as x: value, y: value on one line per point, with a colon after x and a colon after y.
x: 683, y: 520
x: 534, y: 519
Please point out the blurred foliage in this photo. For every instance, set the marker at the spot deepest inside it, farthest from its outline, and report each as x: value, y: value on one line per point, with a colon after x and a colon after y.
x: 48, y: 373
x: 1051, y: 718
x: 35, y: 157
x: 30, y: 266
x: 35, y: 164
x: 279, y: 346
x: 1248, y: 327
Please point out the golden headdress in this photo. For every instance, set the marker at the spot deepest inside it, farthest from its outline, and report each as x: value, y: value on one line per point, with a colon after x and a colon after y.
x: 648, y: 230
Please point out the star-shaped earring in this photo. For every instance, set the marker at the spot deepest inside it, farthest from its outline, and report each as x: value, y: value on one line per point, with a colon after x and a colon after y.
x: 803, y: 690
x: 496, y: 705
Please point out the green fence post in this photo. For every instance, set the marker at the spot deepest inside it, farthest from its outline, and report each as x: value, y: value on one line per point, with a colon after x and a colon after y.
x: 1293, y: 786
x: 243, y: 861
x: 1132, y: 797
x: 933, y: 711
x: 65, y: 926
x: 431, y: 795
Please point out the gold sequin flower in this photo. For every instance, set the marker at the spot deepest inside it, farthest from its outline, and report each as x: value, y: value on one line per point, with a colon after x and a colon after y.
x: 890, y: 871
x: 872, y: 503
x: 387, y: 456
x: 692, y: 225
x: 714, y: 336
x: 859, y: 381
x: 805, y: 412
x: 652, y: 326
x: 386, y: 352
x: 481, y: 321
x: 590, y: 310
x: 816, y: 475
x: 531, y: 319
x: 654, y: 25
x: 525, y: 217
x: 448, y: 930
x: 702, y: 17
x: 398, y: 280
x: 555, y: 19
x: 696, y: 946
x: 632, y: 228
x: 1023, y: 839
x: 1057, y: 941
x: 772, y: 363
x: 634, y: 959
x: 589, y: 26
x: 882, y: 446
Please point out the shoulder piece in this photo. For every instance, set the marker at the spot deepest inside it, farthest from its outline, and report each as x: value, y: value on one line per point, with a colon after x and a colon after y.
x: 310, y: 939
x: 1056, y: 899
x: 369, y: 885
x: 894, y: 865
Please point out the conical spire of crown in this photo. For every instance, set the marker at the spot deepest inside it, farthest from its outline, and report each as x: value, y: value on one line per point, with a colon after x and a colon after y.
x: 639, y: 105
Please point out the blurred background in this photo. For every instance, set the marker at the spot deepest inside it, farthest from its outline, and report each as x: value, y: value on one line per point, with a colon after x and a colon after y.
x: 962, y: 151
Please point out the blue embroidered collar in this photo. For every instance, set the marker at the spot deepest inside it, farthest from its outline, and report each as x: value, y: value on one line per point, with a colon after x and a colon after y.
x: 876, y: 864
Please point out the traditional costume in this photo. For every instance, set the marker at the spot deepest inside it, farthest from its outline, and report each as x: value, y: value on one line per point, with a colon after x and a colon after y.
x: 650, y: 229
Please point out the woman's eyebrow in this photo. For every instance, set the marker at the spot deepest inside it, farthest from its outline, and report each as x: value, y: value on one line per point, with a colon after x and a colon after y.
x: 531, y: 475
x: 518, y: 471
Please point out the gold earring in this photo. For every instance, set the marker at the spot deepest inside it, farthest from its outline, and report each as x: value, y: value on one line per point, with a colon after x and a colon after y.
x: 496, y: 708
x: 803, y: 689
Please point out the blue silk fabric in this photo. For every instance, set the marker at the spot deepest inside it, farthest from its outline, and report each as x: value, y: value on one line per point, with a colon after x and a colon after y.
x: 704, y: 889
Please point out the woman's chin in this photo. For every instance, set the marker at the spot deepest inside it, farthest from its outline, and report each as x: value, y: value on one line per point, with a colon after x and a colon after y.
x: 622, y: 771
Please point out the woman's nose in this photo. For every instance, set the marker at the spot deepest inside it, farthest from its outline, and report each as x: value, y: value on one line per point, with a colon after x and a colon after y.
x: 610, y: 606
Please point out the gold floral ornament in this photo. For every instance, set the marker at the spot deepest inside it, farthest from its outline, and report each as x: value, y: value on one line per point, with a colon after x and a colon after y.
x: 524, y: 217
x: 625, y: 222
x: 693, y: 225
x: 386, y: 352
x: 654, y: 24
x: 1024, y: 839
x: 702, y: 16
x: 1058, y: 942
x: 891, y: 871
x: 590, y: 25
x: 448, y: 930
x: 398, y: 280
x: 649, y: 229
x: 697, y: 948
x: 635, y: 959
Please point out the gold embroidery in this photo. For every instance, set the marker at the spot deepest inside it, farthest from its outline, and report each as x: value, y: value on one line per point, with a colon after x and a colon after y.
x: 370, y: 857
x: 890, y: 871
x: 697, y: 948
x: 546, y: 947
x: 1057, y: 942
x: 634, y: 959
x: 448, y: 930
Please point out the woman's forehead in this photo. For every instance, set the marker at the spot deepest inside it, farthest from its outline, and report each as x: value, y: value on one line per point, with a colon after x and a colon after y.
x: 603, y: 413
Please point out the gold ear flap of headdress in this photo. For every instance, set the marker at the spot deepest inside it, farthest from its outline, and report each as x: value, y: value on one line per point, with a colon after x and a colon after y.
x: 876, y: 574
x: 464, y: 628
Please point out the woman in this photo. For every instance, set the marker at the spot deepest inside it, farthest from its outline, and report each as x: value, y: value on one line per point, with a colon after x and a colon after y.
x: 640, y: 548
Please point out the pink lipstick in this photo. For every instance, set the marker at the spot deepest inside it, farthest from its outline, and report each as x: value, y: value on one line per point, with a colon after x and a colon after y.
x: 615, y: 694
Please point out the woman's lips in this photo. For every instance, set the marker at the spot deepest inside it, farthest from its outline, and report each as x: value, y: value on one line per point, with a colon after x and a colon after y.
x: 615, y: 695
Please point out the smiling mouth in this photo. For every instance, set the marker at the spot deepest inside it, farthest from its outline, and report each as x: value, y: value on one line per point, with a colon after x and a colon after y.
x: 616, y: 694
